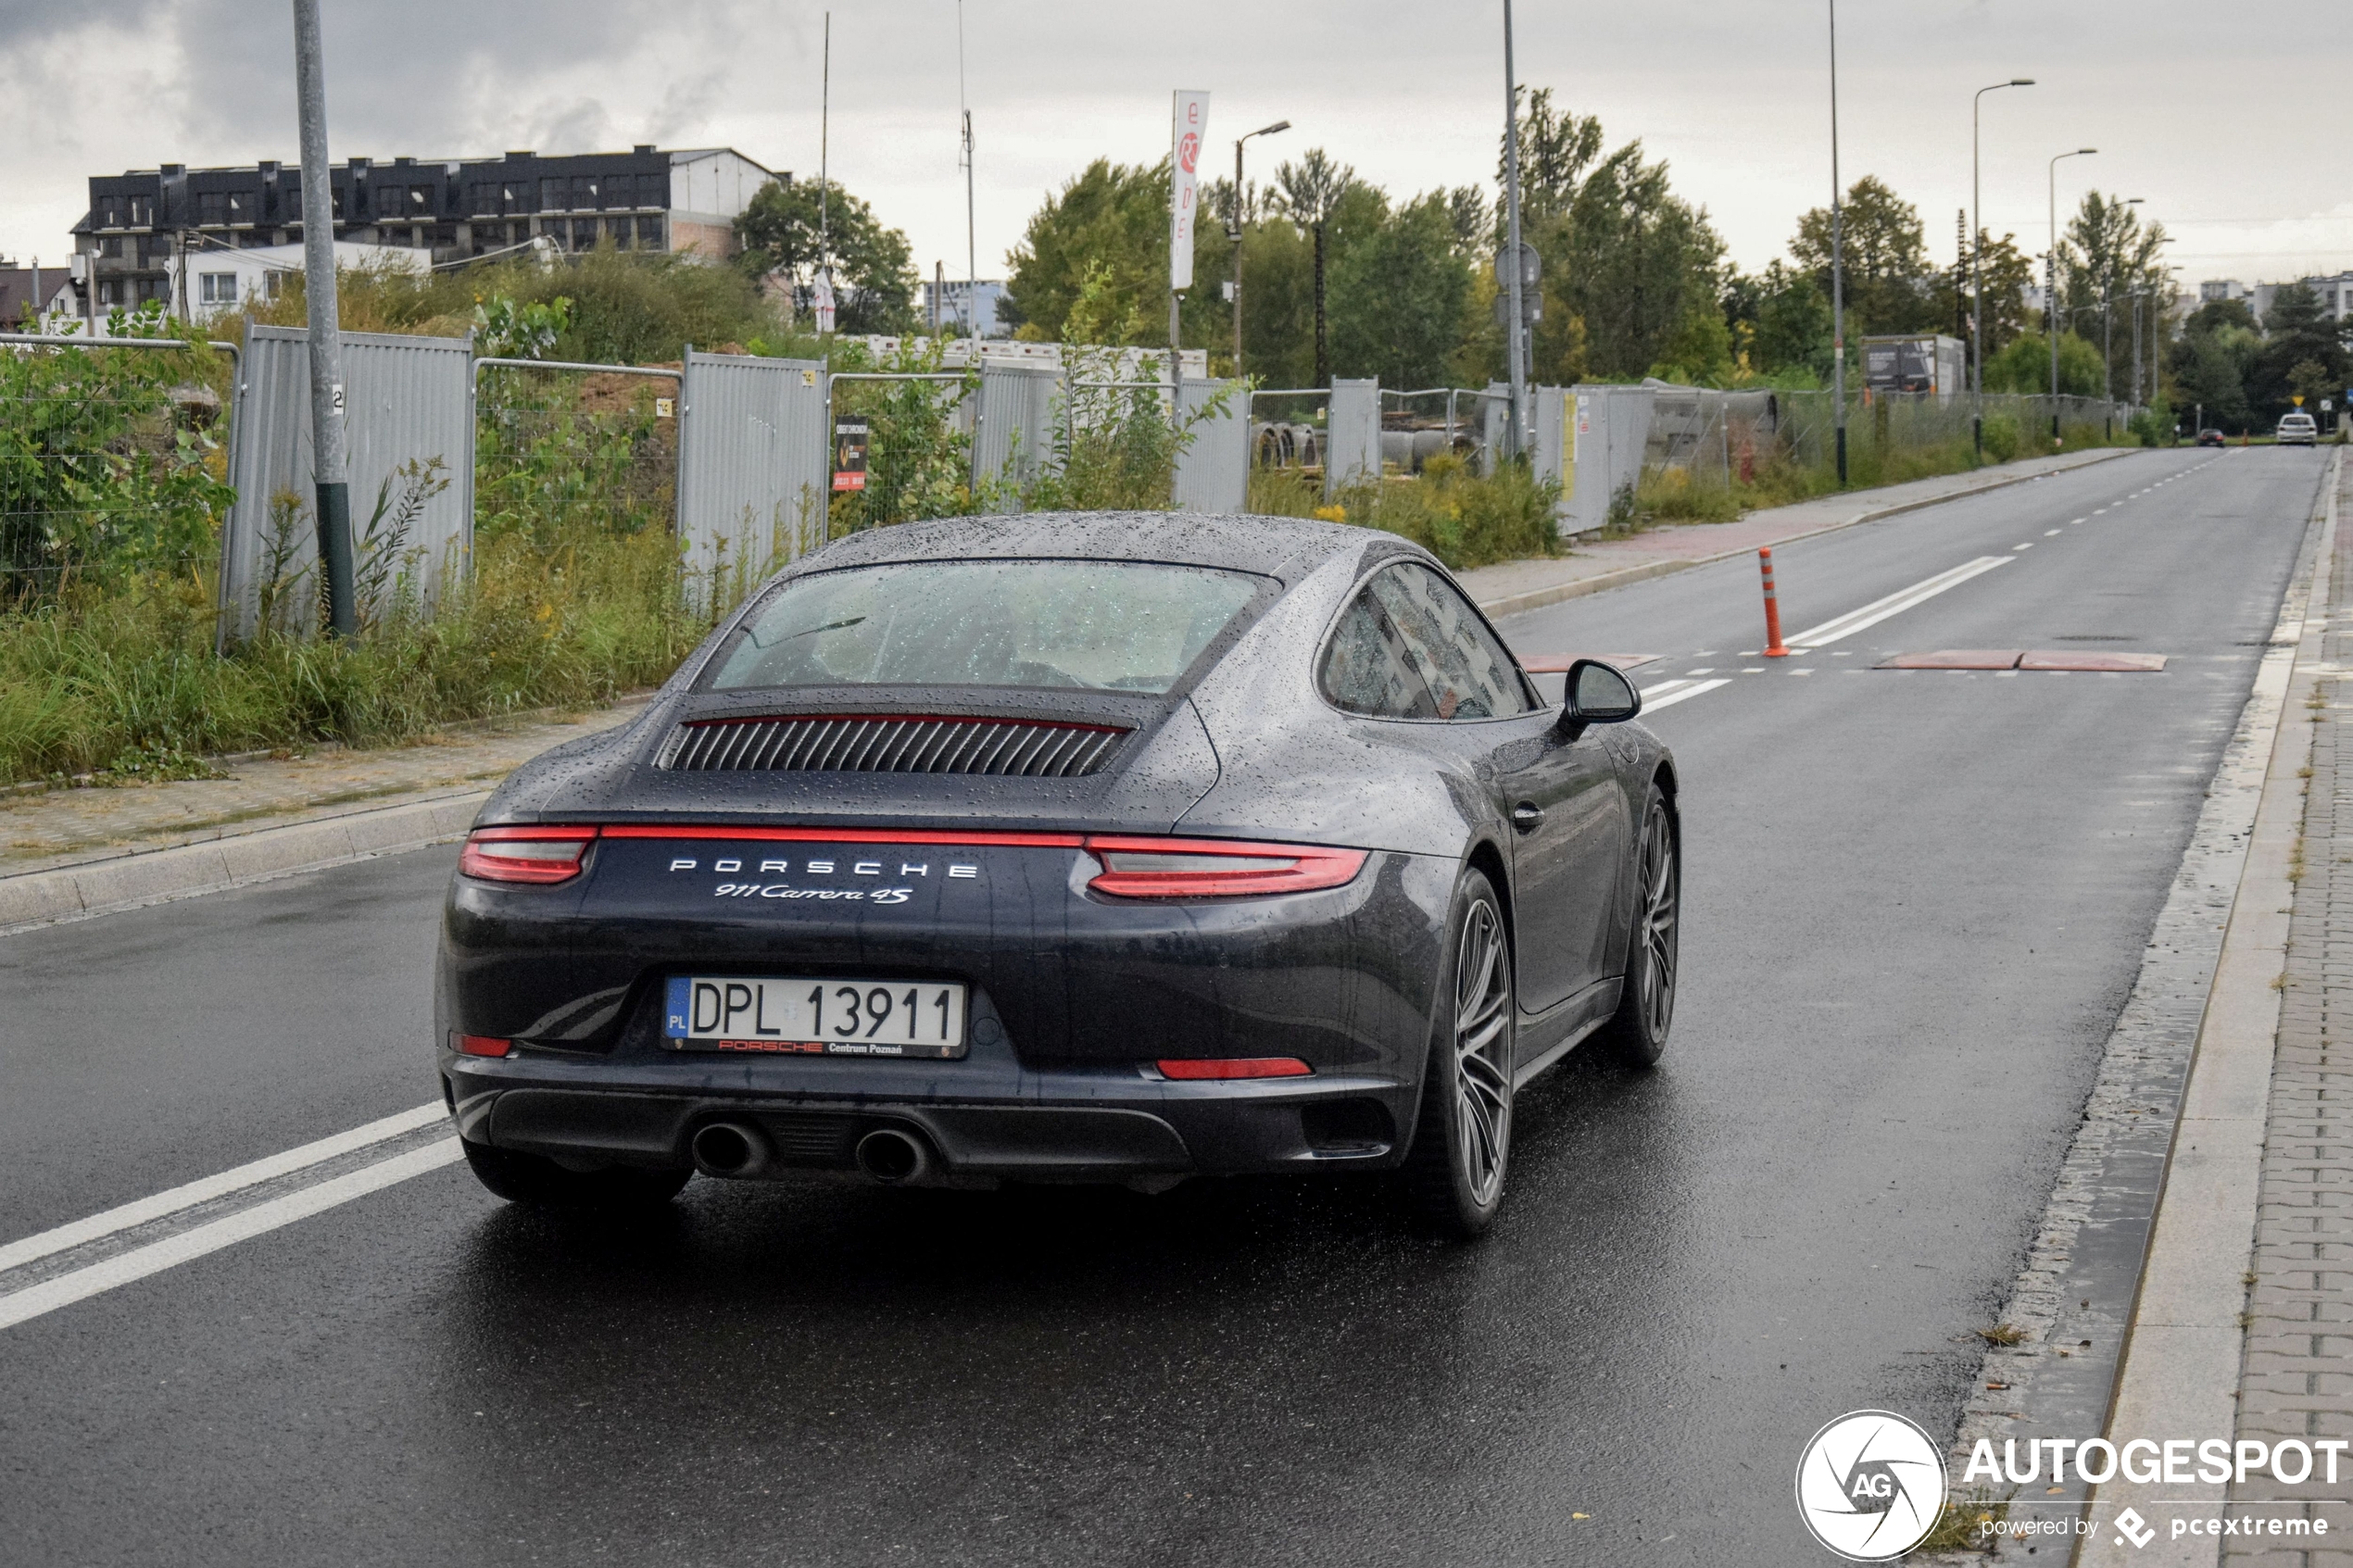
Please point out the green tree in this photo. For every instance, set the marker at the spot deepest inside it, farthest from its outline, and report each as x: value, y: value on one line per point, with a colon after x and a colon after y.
x: 2298, y: 333
x: 2024, y: 366
x: 1556, y: 149
x: 1779, y: 320
x: 2008, y: 274
x: 1112, y: 215
x: 873, y: 282
x: 1312, y: 192
x: 2212, y: 363
x: 1890, y: 287
x: 1399, y: 293
x: 1627, y: 267
x: 2107, y: 256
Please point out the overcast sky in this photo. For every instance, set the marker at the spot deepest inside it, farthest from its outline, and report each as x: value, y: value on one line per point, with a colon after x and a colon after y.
x: 2184, y: 100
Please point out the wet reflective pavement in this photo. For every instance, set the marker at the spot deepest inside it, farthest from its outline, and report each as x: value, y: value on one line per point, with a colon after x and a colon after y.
x: 1914, y: 902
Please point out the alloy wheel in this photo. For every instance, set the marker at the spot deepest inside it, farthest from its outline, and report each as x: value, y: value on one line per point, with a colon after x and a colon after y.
x: 1661, y: 892
x: 1482, y: 1041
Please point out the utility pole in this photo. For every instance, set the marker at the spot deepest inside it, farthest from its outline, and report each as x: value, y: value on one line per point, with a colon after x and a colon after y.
x: 2050, y: 273
x: 1977, y: 260
x: 329, y: 472
x: 1516, y: 330
x: 1838, y: 264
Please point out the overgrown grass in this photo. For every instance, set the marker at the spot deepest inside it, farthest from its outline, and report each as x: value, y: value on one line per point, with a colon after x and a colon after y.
x: 1465, y: 519
x: 1679, y: 495
x: 120, y: 680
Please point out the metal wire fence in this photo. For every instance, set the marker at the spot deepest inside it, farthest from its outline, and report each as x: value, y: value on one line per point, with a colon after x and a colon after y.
x: 560, y: 451
x: 110, y: 464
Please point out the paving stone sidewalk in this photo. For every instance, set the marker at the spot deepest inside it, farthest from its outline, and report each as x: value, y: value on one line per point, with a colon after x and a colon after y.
x: 58, y: 827
x: 2298, y: 1376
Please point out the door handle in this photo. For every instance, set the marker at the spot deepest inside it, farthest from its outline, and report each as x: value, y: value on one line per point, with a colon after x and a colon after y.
x: 1526, y: 816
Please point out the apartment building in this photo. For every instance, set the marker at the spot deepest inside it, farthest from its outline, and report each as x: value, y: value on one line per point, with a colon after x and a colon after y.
x: 453, y: 209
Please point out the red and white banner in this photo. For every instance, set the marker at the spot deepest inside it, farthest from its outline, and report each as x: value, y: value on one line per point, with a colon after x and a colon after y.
x: 1191, y: 129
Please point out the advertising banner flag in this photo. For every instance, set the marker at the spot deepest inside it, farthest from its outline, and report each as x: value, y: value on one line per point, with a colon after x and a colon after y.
x: 1192, y: 125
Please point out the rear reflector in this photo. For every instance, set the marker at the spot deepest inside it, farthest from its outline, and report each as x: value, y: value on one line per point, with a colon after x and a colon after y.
x: 481, y: 1044
x: 1234, y: 1067
x: 526, y: 855
x: 1210, y: 868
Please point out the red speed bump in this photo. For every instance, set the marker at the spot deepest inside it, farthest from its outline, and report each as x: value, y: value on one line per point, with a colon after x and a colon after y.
x: 1953, y: 659
x: 1558, y: 663
x: 2097, y: 663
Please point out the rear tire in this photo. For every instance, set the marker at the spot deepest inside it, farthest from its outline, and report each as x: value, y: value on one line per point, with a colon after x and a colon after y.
x: 1462, y: 1139
x: 1636, y: 1034
x: 536, y: 1180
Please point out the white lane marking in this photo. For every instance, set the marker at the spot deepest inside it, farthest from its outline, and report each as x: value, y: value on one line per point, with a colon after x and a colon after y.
x: 1704, y: 670
x: 2050, y: 533
x: 204, y: 1189
x: 79, y: 1285
x: 2028, y: 546
x: 2073, y: 520
x: 1650, y: 705
x: 1897, y: 603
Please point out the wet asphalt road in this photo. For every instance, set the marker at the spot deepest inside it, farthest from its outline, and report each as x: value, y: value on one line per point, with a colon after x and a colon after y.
x: 1915, y: 903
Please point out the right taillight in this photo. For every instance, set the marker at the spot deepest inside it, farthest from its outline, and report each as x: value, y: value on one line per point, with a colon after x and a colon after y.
x: 1210, y: 868
x: 531, y: 854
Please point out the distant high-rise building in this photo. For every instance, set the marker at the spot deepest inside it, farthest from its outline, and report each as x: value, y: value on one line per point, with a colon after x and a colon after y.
x: 647, y: 199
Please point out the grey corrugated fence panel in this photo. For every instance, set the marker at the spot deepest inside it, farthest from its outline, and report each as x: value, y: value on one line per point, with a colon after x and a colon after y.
x: 1352, y: 453
x: 1015, y: 439
x: 1610, y: 429
x: 406, y: 400
x: 753, y: 463
x: 1494, y: 418
x: 1550, y: 454
x: 1212, y: 472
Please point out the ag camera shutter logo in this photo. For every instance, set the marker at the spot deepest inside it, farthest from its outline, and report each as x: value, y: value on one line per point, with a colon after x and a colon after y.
x: 1871, y: 1485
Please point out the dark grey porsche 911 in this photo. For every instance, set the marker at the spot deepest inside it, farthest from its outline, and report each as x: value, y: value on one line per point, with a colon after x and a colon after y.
x: 1103, y: 847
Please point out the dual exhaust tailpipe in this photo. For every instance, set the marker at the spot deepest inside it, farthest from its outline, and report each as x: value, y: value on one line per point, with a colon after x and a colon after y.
x: 738, y: 1151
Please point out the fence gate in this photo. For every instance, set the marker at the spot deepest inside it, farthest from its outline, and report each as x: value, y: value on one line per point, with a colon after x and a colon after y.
x: 1352, y: 452
x: 1014, y: 437
x: 408, y: 404
x: 1212, y: 471
x: 753, y: 463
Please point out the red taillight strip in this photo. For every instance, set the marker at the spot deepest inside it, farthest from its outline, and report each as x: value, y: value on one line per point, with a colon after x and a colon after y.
x: 1312, y: 866
x: 482, y: 860
x: 848, y: 836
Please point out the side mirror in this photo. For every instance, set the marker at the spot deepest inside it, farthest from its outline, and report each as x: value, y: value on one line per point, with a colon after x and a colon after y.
x: 1598, y: 694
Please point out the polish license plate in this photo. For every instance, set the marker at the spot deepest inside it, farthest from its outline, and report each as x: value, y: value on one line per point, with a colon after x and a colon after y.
x: 814, y: 1017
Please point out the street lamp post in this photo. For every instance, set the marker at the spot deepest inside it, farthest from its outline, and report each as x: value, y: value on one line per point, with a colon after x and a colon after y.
x: 1977, y: 262
x: 1234, y: 233
x: 2050, y: 278
x: 330, y: 472
x: 1838, y: 265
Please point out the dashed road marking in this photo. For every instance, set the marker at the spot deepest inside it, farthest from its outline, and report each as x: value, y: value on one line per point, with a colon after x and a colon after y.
x: 1897, y: 603
x: 1667, y: 694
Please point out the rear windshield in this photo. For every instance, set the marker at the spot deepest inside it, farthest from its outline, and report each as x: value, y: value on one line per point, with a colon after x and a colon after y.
x: 1119, y: 626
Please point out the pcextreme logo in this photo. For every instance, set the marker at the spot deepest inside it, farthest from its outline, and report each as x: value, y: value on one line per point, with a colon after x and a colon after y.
x: 1871, y: 1485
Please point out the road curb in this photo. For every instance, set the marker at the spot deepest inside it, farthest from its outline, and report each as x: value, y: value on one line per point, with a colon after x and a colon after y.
x: 1536, y: 598
x: 2181, y: 1362
x: 185, y: 870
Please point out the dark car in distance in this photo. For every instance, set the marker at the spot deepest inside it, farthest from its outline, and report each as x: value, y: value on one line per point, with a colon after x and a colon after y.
x: 1078, y: 847
x: 2210, y: 437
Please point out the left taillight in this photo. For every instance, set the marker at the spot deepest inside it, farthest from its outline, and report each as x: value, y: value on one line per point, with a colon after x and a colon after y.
x: 526, y: 855
x: 1208, y: 868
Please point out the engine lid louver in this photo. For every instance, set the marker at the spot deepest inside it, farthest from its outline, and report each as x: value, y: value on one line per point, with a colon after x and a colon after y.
x: 891, y: 744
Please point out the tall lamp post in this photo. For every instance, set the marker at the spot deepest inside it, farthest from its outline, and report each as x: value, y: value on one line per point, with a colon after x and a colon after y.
x: 1838, y: 265
x: 328, y: 470
x: 1234, y: 233
x: 1977, y: 264
x: 2050, y: 279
